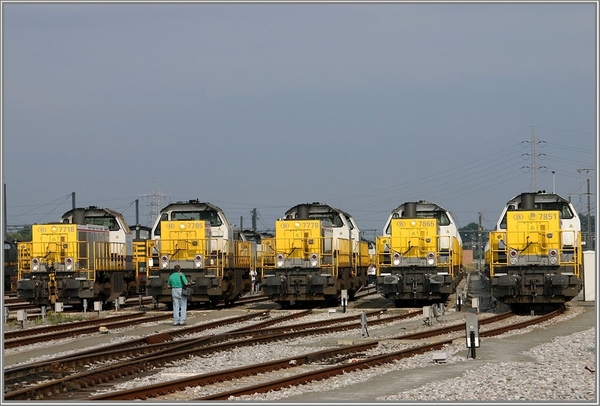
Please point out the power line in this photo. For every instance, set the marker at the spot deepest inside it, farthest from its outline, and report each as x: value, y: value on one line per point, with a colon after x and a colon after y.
x: 156, y: 203
x: 534, y: 155
x: 588, y: 236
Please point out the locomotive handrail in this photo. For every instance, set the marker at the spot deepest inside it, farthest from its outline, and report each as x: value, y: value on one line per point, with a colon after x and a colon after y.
x: 23, y: 258
x: 218, y: 254
x: 448, y: 260
x: 111, y: 256
x: 498, y: 256
x: 299, y: 250
x: 54, y: 257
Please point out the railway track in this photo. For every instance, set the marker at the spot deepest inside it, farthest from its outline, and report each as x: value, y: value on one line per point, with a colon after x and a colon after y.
x: 55, y: 332
x: 26, y: 336
x: 337, y: 354
x: 138, y: 346
x: 181, y: 349
x: 68, y: 383
x: 12, y: 305
x: 74, y: 386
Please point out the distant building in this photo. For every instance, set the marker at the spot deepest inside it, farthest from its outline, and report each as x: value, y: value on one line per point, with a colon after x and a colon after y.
x: 468, y: 257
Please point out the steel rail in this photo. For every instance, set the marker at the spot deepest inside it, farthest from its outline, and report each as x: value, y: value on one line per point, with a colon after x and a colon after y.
x: 164, y: 388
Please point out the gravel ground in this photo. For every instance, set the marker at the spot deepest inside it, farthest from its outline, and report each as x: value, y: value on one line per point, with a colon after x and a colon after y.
x: 566, y: 357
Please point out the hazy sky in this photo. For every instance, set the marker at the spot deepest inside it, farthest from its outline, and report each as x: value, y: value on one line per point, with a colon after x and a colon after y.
x: 359, y: 106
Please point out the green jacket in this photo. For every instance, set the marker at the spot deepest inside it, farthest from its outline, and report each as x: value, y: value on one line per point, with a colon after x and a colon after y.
x: 177, y: 280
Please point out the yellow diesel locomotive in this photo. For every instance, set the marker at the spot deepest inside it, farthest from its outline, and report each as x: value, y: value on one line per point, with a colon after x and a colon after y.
x: 419, y: 255
x: 86, y: 257
x: 214, y: 256
x: 10, y: 266
x: 534, y: 255
x: 316, y: 257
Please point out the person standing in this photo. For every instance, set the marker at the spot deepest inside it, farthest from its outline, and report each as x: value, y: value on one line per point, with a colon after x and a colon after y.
x: 177, y: 281
x: 253, y: 279
x: 372, y: 272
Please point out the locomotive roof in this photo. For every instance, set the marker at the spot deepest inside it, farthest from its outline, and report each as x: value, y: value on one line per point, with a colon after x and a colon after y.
x: 194, y: 203
x: 91, y: 210
x: 256, y: 236
x: 422, y: 205
x: 540, y: 197
x: 317, y: 207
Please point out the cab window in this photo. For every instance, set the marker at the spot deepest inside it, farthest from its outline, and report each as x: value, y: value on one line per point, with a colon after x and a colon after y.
x: 164, y: 216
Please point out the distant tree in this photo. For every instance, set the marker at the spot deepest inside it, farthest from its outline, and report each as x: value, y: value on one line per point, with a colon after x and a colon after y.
x: 469, y: 233
x: 23, y: 234
x: 584, y: 230
x: 583, y: 218
x: 470, y: 226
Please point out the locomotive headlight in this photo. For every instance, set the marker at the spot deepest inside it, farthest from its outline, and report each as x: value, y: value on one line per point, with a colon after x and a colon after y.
x: 164, y: 262
x: 35, y: 264
x: 396, y: 259
x: 280, y: 260
x: 198, y: 261
x: 69, y: 264
x: 553, y: 256
x: 314, y: 260
x: 513, y: 257
x: 430, y: 258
